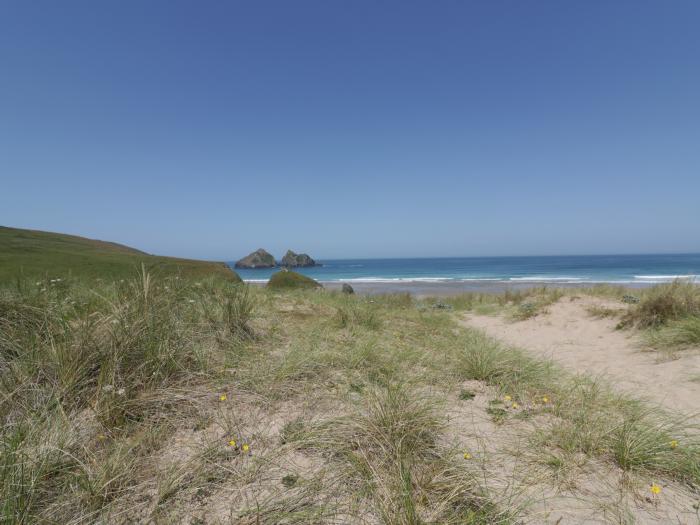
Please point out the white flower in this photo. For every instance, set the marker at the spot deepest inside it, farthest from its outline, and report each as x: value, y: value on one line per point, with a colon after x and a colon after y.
x: 121, y: 392
x: 38, y: 283
x: 108, y: 388
x: 191, y: 301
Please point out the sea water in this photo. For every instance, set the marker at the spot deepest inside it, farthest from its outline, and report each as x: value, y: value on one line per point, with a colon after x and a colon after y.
x: 619, y: 269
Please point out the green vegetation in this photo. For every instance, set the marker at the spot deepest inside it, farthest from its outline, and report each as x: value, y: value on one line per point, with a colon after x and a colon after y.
x: 664, y: 303
x: 674, y: 334
x: 518, y: 305
x: 155, y: 398
x: 37, y: 255
x: 288, y: 280
x: 87, y: 370
x: 603, y: 312
x: 669, y: 313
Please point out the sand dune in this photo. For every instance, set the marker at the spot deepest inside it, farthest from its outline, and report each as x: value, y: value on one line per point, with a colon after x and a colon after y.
x: 569, y: 335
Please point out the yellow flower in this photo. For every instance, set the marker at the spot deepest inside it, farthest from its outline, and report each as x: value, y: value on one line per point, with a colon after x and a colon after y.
x: 222, y: 397
x: 515, y: 405
x: 655, y: 489
x: 232, y: 443
x: 245, y: 447
x: 673, y: 443
x: 467, y: 455
x: 507, y: 398
x: 545, y: 400
x: 101, y: 437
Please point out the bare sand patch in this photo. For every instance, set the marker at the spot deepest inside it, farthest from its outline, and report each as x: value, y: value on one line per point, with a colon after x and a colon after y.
x: 581, y: 343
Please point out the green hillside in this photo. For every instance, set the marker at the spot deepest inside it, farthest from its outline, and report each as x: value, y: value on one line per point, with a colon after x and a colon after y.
x: 31, y: 253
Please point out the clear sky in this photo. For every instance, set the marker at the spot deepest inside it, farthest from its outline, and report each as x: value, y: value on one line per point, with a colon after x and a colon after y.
x: 354, y: 128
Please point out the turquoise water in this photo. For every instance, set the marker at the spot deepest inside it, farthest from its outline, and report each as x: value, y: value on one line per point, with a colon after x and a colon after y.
x: 622, y: 269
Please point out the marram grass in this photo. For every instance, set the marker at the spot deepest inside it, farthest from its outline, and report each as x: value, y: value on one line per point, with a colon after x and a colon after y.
x: 163, y: 398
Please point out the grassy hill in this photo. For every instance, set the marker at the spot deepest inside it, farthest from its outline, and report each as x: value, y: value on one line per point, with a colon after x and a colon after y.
x: 33, y: 253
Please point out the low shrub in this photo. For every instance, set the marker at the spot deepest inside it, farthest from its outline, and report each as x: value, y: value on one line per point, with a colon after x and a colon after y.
x: 288, y: 280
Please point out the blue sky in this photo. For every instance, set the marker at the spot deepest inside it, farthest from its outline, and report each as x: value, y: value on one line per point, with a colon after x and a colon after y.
x: 354, y: 129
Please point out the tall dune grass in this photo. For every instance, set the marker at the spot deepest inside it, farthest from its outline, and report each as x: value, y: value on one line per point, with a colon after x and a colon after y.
x: 100, y: 383
x: 76, y: 362
x: 664, y: 303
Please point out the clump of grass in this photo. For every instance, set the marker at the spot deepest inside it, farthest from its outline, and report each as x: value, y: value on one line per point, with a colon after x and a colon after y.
x: 530, y: 303
x: 511, y: 370
x: 664, y: 303
x: 496, y: 411
x: 233, y: 310
x: 293, y: 431
x: 602, y: 312
x: 398, y: 301
x: 466, y: 395
x: 380, y: 447
x: 526, y: 311
x: 299, y: 506
x: 608, y: 291
x: 290, y: 480
x: 521, y: 303
x: 390, y: 455
x: 467, y: 301
x: 669, y: 314
x: 358, y: 313
x: 679, y: 333
x: 83, y: 367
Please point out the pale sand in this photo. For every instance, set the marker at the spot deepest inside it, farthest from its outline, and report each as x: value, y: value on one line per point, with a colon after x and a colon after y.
x: 569, y: 335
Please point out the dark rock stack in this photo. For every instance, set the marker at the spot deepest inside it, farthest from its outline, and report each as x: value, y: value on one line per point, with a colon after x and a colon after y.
x: 297, y: 260
x: 258, y: 259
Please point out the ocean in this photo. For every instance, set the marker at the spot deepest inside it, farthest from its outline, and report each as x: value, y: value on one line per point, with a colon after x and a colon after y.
x: 579, y: 269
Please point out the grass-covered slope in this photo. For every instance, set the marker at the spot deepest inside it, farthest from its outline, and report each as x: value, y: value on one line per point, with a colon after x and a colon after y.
x: 30, y: 253
x: 288, y: 280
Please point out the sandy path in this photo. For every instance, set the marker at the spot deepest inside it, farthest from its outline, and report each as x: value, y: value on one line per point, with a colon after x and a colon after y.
x: 581, y: 343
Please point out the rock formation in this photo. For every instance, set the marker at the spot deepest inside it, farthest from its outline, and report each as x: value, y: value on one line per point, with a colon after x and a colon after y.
x: 297, y: 260
x: 258, y: 259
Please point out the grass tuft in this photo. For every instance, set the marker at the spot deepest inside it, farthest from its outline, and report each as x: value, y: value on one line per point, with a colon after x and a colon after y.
x: 664, y: 303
